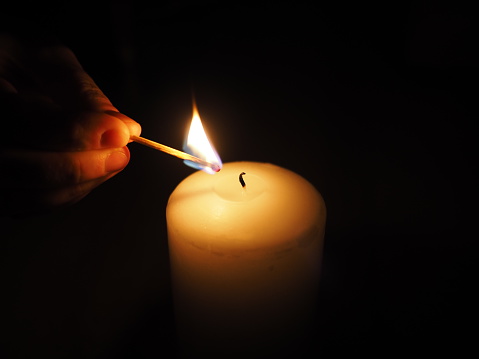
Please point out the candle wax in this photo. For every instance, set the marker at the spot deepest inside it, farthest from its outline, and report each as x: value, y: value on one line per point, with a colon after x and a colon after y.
x: 245, y: 261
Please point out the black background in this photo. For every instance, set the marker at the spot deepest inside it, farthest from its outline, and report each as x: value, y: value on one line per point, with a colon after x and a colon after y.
x: 373, y: 103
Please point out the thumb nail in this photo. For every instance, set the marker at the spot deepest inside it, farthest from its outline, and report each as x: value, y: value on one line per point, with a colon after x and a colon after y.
x: 116, y: 161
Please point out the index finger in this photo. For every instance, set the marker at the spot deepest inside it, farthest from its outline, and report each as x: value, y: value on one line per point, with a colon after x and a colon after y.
x: 72, y: 88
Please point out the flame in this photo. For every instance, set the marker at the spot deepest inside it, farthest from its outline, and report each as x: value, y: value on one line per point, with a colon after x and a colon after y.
x: 198, y: 145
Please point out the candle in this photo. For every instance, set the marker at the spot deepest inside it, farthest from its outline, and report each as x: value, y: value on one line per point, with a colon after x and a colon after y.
x: 245, y: 254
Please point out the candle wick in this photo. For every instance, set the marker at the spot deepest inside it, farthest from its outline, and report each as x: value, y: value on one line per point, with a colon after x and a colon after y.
x: 243, y: 184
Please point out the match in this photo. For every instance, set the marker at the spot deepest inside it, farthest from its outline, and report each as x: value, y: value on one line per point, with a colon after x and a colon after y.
x: 174, y: 152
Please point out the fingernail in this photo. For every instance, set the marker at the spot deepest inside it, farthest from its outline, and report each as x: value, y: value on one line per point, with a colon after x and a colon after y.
x: 116, y: 161
x: 133, y: 126
x: 111, y: 138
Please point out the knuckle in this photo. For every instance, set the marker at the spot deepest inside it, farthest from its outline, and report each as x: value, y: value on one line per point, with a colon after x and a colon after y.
x: 90, y: 93
x: 80, y: 130
x: 76, y: 171
x: 62, y: 197
x: 67, y: 172
x: 77, y: 135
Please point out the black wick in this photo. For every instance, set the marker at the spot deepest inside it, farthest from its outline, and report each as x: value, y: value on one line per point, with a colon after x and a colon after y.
x: 241, y: 179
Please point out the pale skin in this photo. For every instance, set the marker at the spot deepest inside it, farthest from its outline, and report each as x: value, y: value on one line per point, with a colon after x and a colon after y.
x: 61, y: 136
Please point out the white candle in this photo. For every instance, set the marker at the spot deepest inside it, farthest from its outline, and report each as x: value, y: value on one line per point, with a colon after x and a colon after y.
x: 245, y: 261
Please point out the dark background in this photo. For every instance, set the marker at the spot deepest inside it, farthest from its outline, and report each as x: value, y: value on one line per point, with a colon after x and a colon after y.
x: 375, y: 104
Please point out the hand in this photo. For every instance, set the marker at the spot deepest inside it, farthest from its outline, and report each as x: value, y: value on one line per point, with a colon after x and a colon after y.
x: 61, y: 136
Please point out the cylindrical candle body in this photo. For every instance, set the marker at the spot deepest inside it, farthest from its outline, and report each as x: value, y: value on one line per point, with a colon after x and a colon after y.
x: 245, y: 261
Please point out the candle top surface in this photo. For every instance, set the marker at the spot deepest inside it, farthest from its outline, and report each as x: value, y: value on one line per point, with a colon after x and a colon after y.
x: 275, y: 204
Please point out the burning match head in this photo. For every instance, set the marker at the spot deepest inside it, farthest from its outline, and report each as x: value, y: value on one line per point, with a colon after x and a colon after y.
x: 207, y: 167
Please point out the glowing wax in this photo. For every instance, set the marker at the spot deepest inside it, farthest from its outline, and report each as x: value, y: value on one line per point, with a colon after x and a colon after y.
x: 245, y: 261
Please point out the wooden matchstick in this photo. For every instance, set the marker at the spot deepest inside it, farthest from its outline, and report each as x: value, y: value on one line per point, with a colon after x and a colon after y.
x: 174, y: 152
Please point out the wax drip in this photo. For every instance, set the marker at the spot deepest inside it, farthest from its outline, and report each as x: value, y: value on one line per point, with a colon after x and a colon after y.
x: 243, y: 184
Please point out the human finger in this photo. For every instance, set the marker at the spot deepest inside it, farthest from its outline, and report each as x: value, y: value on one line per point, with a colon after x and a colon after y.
x: 133, y: 126
x: 33, y: 124
x: 52, y: 170
x: 72, y: 87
